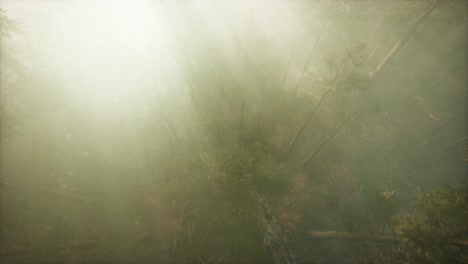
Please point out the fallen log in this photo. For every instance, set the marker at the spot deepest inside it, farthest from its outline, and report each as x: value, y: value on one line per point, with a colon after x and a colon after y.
x: 370, y: 237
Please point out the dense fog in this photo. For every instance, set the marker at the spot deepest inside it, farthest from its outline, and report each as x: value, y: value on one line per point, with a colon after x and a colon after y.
x: 206, y: 131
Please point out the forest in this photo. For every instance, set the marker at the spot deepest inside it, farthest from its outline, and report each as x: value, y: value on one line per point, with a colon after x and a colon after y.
x: 249, y: 131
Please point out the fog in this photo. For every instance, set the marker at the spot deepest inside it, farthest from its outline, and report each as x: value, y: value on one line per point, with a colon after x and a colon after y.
x: 233, y: 131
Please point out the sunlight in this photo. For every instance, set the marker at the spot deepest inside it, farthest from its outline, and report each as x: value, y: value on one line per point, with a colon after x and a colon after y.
x: 130, y: 23
x: 108, y: 47
x: 246, y: 131
x: 114, y: 53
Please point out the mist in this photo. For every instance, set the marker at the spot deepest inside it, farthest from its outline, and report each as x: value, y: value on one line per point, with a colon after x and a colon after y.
x: 233, y: 131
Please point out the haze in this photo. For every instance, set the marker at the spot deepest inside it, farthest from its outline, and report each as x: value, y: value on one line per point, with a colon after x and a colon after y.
x: 210, y: 131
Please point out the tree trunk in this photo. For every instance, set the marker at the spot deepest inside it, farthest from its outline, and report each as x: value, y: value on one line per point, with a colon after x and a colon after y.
x: 385, y: 39
x: 443, y: 124
x: 311, y: 53
x: 312, y: 155
x: 402, y: 42
x: 293, y: 48
x: 241, y: 122
x: 304, y: 124
x: 443, y: 78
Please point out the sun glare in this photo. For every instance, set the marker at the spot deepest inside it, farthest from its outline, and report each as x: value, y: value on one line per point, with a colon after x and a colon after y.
x: 130, y: 23
x: 106, y: 47
x: 112, y: 52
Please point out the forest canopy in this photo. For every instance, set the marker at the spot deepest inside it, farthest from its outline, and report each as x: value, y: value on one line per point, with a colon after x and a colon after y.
x: 210, y: 131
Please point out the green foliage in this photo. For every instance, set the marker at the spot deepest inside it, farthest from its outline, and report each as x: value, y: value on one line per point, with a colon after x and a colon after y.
x: 383, y: 206
x: 7, y: 25
x: 273, y: 179
x: 236, y: 180
x: 213, y: 152
x: 343, y: 74
x: 428, y: 235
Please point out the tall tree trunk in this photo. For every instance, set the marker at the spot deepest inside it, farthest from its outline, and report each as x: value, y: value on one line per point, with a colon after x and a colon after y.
x: 450, y: 72
x: 312, y: 155
x: 443, y: 124
x: 385, y: 39
x: 438, y: 66
x: 304, y: 124
x: 402, y: 42
x: 241, y: 121
x: 311, y: 53
x: 293, y: 48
